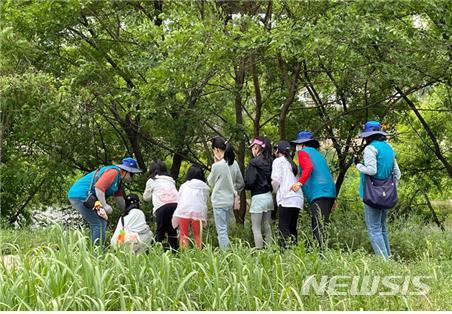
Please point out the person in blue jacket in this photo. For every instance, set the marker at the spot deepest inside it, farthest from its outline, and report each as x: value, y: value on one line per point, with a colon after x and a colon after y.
x: 379, y: 162
x: 316, y: 181
x: 103, y: 182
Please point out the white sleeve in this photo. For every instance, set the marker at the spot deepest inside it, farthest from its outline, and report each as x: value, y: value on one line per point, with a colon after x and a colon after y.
x: 212, y: 178
x: 397, y: 172
x: 140, y: 216
x: 370, y: 161
x: 147, y: 195
x: 276, y: 174
x: 101, y: 197
x: 121, y: 202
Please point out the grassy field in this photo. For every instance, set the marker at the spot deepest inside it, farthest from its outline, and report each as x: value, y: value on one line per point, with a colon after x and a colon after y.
x: 55, y: 270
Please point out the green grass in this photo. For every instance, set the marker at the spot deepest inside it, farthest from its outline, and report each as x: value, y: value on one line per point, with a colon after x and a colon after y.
x: 57, y: 271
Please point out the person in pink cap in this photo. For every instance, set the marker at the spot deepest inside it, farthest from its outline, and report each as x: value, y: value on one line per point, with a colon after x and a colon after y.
x: 258, y: 181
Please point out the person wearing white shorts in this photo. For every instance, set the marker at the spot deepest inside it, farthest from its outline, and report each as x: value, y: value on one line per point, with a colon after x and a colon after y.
x: 258, y: 180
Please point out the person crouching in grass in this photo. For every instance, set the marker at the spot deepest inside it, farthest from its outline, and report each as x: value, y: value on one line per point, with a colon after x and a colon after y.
x: 132, y: 229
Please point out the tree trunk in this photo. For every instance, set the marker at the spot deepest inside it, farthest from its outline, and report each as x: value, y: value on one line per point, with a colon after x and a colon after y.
x: 132, y: 135
x: 239, y: 80
x: 158, y: 7
x: 182, y: 133
x: 340, y: 177
x: 257, y: 91
x: 435, y: 217
x: 292, y: 91
x: 436, y: 148
x: 175, y: 167
x: 14, y: 217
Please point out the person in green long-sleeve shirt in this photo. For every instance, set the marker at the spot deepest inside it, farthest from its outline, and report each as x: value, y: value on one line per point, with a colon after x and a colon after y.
x: 225, y: 179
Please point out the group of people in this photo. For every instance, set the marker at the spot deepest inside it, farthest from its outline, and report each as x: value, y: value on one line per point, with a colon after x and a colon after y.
x: 294, y: 178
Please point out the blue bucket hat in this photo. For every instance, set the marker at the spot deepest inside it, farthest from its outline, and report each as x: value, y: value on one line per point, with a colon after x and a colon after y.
x: 303, y: 137
x: 371, y: 128
x: 130, y: 165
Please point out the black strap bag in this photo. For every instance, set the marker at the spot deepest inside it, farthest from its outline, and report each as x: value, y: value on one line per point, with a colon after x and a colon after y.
x: 91, y: 198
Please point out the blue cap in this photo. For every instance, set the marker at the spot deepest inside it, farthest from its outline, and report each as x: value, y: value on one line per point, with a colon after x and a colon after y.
x: 371, y: 128
x: 130, y: 165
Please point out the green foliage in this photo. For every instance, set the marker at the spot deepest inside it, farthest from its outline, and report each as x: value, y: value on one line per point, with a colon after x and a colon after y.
x: 85, y: 83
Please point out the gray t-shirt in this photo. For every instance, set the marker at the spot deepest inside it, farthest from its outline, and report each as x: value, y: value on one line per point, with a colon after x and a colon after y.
x: 218, y: 180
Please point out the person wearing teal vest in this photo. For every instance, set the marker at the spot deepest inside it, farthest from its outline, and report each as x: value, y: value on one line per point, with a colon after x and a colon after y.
x: 379, y: 162
x: 103, y: 182
x: 316, y: 182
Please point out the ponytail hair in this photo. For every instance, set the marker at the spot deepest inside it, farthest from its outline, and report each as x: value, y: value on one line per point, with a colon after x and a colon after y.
x: 221, y: 143
x: 289, y: 158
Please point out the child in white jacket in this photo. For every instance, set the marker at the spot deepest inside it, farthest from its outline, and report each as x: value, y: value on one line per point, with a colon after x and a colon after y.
x: 161, y: 189
x: 132, y: 229
x: 283, y: 176
x: 192, y: 206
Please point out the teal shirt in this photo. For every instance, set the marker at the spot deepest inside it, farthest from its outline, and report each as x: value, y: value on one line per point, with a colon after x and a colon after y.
x: 80, y: 188
x: 320, y: 183
x: 385, y: 163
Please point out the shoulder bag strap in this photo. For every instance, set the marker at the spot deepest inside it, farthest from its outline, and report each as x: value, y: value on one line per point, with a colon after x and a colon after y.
x: 92, y: 180
x: 120, y: 180
x: 230, y: 176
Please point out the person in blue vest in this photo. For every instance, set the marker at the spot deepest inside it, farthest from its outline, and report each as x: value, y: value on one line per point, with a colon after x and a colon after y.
x: 316, y: 181
x: 103, y: 182
x: 379, y: 162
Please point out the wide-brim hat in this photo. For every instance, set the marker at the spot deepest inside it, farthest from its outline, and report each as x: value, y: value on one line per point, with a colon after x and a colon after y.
x: 371, y: 128
x: 303, y: 137
x: 130, y: 165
